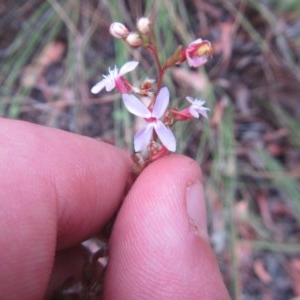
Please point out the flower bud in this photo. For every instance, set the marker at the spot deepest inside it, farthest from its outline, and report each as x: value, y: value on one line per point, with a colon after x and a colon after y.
x: 176, y: 58
x: 134, y: 40
x: 118, y: 30
x: 198, y: 52
x: 144, y: 25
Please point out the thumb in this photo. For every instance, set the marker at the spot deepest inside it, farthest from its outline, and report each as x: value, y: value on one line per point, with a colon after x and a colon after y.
x: 159, y: 245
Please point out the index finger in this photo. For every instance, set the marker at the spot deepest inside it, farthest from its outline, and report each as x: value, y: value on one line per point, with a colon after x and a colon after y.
x: 56, y: 189
x: 76, y: 181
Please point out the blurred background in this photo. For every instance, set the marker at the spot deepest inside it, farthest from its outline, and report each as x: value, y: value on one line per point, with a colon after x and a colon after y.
x: 52, y: 52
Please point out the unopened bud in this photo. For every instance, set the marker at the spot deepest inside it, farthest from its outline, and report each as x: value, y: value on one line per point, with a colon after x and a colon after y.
x: 176, y: 58
x: 118, y: 30
x: 134, y: 40
x: 144, y: 25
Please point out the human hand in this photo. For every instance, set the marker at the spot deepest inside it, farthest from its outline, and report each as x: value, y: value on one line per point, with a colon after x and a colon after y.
x: 58, y: 189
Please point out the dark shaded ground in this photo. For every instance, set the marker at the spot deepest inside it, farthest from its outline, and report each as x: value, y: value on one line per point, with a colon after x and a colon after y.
x: 255, y: 71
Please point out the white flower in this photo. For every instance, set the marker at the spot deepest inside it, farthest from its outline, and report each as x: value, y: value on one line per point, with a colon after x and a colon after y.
x: 143, y: 136
x: 114, y: 78
x: 197, y: 107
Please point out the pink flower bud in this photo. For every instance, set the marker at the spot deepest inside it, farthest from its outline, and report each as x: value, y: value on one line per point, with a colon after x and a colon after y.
x: 144, y: 25
x: 118, y: 30
x: 198, y: 52
x: 134, y: 40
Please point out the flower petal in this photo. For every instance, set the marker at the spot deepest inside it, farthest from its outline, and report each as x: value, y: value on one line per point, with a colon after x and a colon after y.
x: 195, y: 42
x: 190, y: 61
x: 198, y: 105
x: 128, y: 67
x: 193, y: 111
x: 110, y: 84
x: 142, y: 138
x: 98, y: 86
x: 135, y: 106
x: 166, y: 136
x: 161, y: 103
x: 203, y: 112
x: 199, y: 61
x: 196, y: 61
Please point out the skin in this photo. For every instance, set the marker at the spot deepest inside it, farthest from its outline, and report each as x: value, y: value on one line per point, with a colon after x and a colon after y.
x: 58, y: 189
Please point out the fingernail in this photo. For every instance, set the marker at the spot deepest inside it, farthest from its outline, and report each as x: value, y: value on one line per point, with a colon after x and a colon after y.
x: 196, y: 208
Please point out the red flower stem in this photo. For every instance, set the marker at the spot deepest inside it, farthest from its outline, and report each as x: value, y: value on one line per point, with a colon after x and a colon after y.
x: 161, y: 70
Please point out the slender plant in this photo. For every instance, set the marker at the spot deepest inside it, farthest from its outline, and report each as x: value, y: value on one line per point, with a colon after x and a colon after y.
x: 150, y: 99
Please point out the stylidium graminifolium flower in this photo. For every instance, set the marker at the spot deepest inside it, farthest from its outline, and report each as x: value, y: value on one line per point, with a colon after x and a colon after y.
x: 197, y: 107
x: 114, y: 78
x: 197, y: 52
x: 153, y: 123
